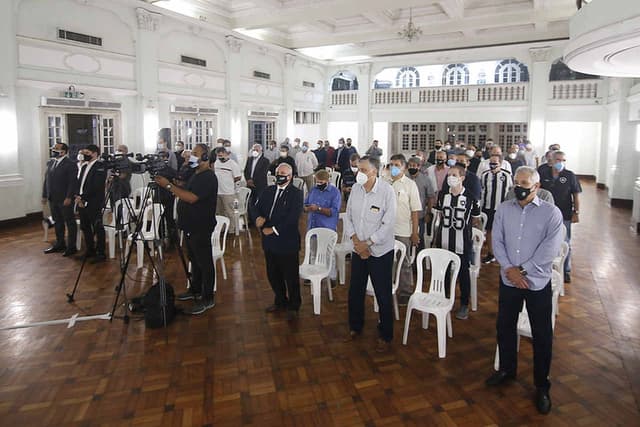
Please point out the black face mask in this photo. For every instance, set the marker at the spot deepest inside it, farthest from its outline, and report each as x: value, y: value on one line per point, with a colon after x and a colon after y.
x: 281, y: 179
x: 55, y: 154
x: 348, y: 144
x: 439, y: 161
x: 322, y: 187
x: 521, y: 192
x: 438, y: 147
x: 413, y: 171
x: 494, y: 165
x: 222, y: 159
x: 87, y: 158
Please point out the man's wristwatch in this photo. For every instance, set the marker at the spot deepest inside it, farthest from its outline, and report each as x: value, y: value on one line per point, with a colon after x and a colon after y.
x: 369, y: 242
x: 169, y: 187
x: 319, y: 209
x: 576, y: 212
x: 522, y: 270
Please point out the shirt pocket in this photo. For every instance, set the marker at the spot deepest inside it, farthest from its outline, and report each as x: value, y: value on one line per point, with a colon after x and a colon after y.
x: 373, y: 215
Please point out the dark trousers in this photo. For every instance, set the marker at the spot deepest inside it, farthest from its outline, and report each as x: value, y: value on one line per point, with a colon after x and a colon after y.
x: 464, y: 278
x: 202, y: 268
x: 91, y: 225
x: 283, y: 271
x: 539, y: 309
x: 170, y: 230
x: 379, y: 269
x: 63, y: 215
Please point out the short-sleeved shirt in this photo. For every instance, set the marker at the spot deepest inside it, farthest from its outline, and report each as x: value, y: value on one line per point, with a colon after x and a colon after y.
x: 426, y: 190
x: 563, y: 187
x: 456, y: 221
x: 329, y: 198
x: 408, y: 201
x: 200, y: 217
x: 226, y: 172
x: 494, y: 188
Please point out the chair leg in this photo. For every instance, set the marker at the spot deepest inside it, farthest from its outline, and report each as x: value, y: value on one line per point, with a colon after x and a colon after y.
x: 449, y: 325
x: 189, y: 269
x: 474, y: 291
x: 329, y: 289
x: 376, y: 307
x: 496, y: 360
x: 407, y: 322
x: 315, y: 288
x: 341, y: 268
x: 395, y: 307
x: 442, y: 338
x: 425, y: 320
x: 112, y: 243
x: 140, y: 253
x: 224, y: 268
x: 518, y: 343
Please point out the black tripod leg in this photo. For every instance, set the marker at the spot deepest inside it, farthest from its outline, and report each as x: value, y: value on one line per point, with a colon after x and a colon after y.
x: 75, y: 286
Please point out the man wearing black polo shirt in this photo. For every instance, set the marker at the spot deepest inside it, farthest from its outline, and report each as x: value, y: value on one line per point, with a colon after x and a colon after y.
x: 197, y: 215
x: 565, y: 187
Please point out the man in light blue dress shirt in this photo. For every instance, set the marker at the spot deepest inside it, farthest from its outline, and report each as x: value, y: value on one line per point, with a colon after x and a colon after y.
x: 527, y: 234
x: 369, y: 223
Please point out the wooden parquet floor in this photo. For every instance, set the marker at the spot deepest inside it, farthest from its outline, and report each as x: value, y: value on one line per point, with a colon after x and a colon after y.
x: 235, y: 365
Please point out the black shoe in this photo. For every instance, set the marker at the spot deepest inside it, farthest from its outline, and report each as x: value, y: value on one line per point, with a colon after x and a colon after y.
x: 200, y: 307
x: 69, y: 252
x: 498, y: 378
x: 543, y: 401
x: 273, y: 308
x: 98, y: 259
x: 567, y: 277
x: 489, y: 258
x: 186, y: 296
x: 53, y: 249
x: 292, y: 315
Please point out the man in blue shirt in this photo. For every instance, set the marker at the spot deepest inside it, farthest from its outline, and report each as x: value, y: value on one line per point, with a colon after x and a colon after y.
x: 527, y: 233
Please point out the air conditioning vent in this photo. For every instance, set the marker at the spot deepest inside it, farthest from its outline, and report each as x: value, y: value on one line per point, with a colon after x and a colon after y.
x: 208, y: 111
x: 104, y: 104
x: 179, y: 109
x: 308, y: 84
x: 63, y: 102
x: 80, y: 38
x: 263, y: 114
x: 261, y: 75
x: 193, y: 61
x: 194, y: 110
x: 79, y: 103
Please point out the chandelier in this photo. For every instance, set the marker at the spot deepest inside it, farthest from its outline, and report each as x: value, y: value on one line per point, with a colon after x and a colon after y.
x: 410, y: 32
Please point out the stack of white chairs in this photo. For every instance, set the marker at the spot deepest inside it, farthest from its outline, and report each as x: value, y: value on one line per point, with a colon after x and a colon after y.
x: 149, y: 232
x: 113, y: 234
x: 342, y: 249
x: 218, y: 246
x: 334, y: 178
x: 243, y: 209
x: 399, y: 254
x: 318, y: 267
x: 435, y: 301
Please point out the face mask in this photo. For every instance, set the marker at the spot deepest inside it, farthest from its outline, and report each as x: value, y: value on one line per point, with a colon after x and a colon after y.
x: 447, y: 147
x: 354, y: 169
x: 348, y: 144
x: 512, y: 156
x: 120, y: 153
x: 304, y: 148
x: 451, y: 162
x: 80, y: 157
x: 219, y: 144
x: 453, y: 181
x: 439, y: 161
x: 227, y: 149
x: 180, y: 149
x: 529, y: 147
x: 55, y: 154
x: 193, y: 161
x: 395, y: 171
x: 559, y: 166
x: 362, y: 179
x: 413, y: 171
x: 470, y: 153
x: 161, y: 146
x: 494, y: 165
x: 255, y: 153
x: 283, y: 154
x: 296, y: 143
x: 521, y: 192
x: 87, y: 157
x: 281, y: 179
x: 322, y: 186
x: 340, y: 144
x: 222, y: 159
x: 438, y: 147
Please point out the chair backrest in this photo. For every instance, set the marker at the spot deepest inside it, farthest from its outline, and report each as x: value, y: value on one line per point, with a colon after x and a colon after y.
x: 440, y: 261
x: 328, y: 169
x: 483, y: 221
x: 399, y: 254
x: 564, y: 232
x: 243, y: 199
x: 271, y: 180
x: 118, y: 209
x: 334, y: 177
x: 219, y: 235
x: 298, y: 183
x: 151, y: 220
x: 137, y: 196
x: 557, y: 280
x: 344, y: 238
x: 477, y: 240
x: 325, y: 242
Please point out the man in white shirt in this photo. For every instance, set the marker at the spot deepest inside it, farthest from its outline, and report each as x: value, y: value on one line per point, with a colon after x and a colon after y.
x: 228, y: 174
x: 271, y: 151
x: 295, y: 148
x: 484, y: 165
x: 306, y: 163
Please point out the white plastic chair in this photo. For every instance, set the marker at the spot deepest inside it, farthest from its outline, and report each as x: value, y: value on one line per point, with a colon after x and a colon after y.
x: 399, y: 254
x: 219, y: 242
x: 428, y: 237
x: 243, y: 208
x: 524, y: 326
x: 435, y: 301
x: 477, y: 240
x: 319, y: 267
x: 558, y: 263
x: 342, y: 249
x: 113, y: 234
x: 271, y: 180
x: 138, y: 195
x: 149, y: 232
x: 298, y: 183
x: 334, y: 178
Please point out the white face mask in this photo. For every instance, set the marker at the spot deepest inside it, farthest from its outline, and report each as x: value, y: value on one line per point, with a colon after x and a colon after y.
x: 453, y: 181
x: 512, y: 156
x: 283, y: 154
x: 354, y: 169
x: 362, y: 178
x: 119, y: 153
x: 470, y: 153
x: 255, y: 153
x: 194, y: 161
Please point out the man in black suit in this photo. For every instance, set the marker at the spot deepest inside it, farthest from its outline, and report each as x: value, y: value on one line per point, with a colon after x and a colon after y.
x: 255, y: 173
x: 60, y: 184
x: 279, y: 208
x: 89, y: 199
x: 284, y: 157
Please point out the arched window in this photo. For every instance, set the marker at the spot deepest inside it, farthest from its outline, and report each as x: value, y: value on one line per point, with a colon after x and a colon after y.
x: 511, y: 71
x: 560, y: 71
x: 455, y: 74
x: 408, y: 77
x: 344, y: 80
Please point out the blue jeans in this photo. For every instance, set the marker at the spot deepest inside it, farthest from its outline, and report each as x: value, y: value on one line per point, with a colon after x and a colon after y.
x: 567, y: 261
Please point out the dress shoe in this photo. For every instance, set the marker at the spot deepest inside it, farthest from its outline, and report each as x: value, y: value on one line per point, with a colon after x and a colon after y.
x: 200, y: 306
x: 543, y: 401
x: 53, y: 249
x: 186, y: 296
x: 273, y: 308
x: 353, y: 335
x: 292, y: 315
x: 498, y: 378
x: 69, y: 252
x: 567, y: 277
x: 382, y: 346
x: 463, y: 312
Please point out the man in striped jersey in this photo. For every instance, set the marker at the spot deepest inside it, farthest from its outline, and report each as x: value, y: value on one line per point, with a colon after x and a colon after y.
x: 456, y: 209
x: 496, y: 183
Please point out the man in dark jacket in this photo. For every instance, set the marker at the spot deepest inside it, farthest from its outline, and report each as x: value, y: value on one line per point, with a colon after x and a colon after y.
x: 284, y: 157
x: 60, y: 185
x: 279, y: 209
x: 89, y: 199
x: 255, y: 173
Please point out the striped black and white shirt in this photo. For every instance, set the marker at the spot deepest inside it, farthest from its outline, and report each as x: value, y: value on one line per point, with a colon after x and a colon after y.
x: 455, y: 223
x: 495, y: 187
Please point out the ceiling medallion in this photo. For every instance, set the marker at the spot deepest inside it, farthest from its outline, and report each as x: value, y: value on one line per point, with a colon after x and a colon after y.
x: 410, y: 32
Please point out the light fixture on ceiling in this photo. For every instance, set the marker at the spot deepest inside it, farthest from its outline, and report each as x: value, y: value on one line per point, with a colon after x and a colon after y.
x: 410, y: 32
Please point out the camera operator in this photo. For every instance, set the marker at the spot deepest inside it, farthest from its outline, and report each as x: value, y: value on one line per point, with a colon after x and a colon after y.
x: 164, y: 149
x: 167, y: 200
x: 197, y: 215
x: 121, y: 188
x: 89, y: 201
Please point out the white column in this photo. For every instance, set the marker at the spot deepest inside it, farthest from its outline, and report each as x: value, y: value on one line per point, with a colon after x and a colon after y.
x: 147, y: 77
x: 538, y: 92
x: 287, y: 121
x: 11, y: 180
x: 365, y: 126
x: 232, y: 126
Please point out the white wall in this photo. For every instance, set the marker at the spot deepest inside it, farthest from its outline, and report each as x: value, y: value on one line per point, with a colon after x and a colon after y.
x: 580, y: 141
x: 310, y: 133
x: 337, y: 130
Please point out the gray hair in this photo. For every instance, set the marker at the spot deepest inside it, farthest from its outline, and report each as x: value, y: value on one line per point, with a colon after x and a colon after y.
x: 285, y: 166
x: 532, y: 173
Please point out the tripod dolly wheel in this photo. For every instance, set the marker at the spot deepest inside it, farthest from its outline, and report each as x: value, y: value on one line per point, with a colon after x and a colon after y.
x: 69, y: 298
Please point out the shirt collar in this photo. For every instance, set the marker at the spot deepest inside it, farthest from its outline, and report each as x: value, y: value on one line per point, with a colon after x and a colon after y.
x: 61, y: 158
x: 374, y: 189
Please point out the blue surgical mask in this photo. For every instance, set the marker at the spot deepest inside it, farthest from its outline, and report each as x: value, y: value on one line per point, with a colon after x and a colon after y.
x: 395, y: 171
x: 451, y: 162
x: 193, y: 161
x: 559, y: 166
